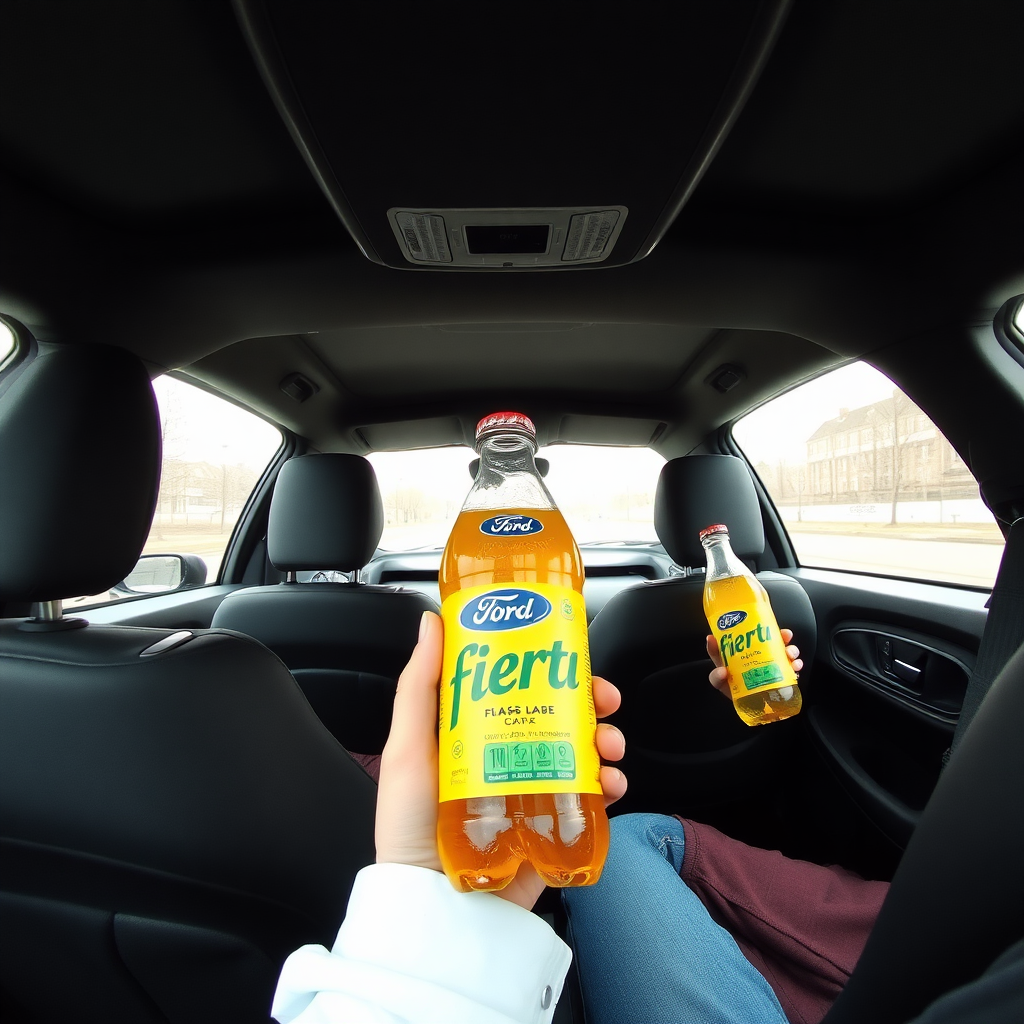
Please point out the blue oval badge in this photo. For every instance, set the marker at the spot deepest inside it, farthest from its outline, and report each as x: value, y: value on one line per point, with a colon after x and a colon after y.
x: 505, y: 609
x: 511, y: 526
x: 730, y: 619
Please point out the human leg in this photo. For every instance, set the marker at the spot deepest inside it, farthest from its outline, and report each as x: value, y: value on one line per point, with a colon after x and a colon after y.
x: 647, y: 950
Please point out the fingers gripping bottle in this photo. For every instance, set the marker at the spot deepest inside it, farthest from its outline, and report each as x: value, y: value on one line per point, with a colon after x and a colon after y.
x: 761, y: 678
x: 518, y: 768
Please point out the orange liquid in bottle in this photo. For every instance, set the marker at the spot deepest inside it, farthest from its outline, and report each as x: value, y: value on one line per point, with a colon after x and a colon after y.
x: 746, y: 594
x: 564, y: 836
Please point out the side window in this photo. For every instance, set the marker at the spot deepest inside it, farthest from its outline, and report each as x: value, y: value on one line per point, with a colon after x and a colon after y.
x: 213, y: 455
x: 864, y: 481
x: 7, y: 343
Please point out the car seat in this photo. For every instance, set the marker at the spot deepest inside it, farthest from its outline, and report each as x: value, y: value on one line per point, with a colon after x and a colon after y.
x: 345, y: 643
x: 685, y: 744
x: 174, y: 818
x: 951, y: 929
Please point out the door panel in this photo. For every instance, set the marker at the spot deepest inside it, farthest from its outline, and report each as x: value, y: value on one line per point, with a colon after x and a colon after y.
x: 905, y: 665
x: 884, y: 696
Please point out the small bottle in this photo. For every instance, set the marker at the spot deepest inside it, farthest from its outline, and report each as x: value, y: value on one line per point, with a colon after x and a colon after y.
x: 761, y: 678
x: 519, y: 773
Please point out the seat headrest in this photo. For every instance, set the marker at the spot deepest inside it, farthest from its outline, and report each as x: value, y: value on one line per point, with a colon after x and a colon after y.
x: 326, y: 513
x: 698, y: 490
x: 79, y: 470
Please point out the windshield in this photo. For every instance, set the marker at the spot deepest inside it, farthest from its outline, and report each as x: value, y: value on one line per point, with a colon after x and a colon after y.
x: 606, y: 494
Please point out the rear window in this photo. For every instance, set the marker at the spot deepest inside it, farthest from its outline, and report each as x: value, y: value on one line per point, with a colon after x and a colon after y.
x: 865, y: 481
x: 605, y: 493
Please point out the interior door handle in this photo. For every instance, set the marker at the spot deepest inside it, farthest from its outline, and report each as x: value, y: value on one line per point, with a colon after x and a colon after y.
x: 907, y: 666
x: 907, y: 672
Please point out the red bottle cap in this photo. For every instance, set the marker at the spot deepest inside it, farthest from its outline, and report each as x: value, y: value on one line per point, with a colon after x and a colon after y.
x: 715, y: 528
x: 505, y: 420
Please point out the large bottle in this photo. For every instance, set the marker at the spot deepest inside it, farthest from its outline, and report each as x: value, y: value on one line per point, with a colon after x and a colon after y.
x: 761, y: 678
x: 518, y: 768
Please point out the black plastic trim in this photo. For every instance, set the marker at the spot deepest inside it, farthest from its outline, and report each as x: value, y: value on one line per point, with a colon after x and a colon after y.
x: 760, y: 42
x: 257, y: 31
x: 896, y: 819
x: 1006, y: 331
x: 892, y: 687
x: 259, y: 38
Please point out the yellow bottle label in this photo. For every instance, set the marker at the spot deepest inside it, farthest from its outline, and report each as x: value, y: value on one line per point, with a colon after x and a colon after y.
x: 752, y: 649
x: 517, y: 705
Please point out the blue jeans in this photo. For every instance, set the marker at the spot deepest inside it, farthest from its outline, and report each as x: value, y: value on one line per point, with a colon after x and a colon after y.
x: 646, y: 949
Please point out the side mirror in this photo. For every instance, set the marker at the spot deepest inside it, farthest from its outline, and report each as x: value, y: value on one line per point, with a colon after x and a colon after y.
x: 160, y: 574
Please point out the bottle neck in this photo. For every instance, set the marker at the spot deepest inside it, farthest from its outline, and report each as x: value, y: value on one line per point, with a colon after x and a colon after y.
x: 508, y: 476
x: 721, y: 559
x: 508, y: 453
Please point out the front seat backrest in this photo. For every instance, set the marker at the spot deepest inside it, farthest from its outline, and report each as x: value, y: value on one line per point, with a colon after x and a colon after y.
x: 345, y: 643
x: 650, y: 641
x: 174, y: 819
x: 956, y: 902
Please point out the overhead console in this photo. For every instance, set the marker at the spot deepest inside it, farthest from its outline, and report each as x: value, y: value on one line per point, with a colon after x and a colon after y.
x: 468, y: 137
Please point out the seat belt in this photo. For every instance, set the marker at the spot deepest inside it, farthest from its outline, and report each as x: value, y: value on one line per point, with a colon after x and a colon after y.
x: 1004, y: 630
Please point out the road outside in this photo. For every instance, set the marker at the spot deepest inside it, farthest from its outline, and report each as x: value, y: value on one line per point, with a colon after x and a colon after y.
x: 968, y: 557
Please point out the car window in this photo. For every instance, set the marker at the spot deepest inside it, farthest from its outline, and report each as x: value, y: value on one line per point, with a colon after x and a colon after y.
x: 605, y: 493
x: 864, y: 481
x: 7, y: 342
x: 213, y: 454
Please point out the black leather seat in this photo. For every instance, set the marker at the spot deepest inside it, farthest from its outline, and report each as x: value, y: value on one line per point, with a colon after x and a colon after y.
x: 174, y: 818
x: 685, y: 742
x: 956, y: 903
x: 345, y: 643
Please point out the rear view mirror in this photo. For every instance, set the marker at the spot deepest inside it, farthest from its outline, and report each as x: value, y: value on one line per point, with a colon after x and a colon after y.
x: 160, y: 574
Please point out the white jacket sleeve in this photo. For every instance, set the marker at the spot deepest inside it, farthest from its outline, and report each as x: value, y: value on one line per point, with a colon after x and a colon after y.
x: 412, y: 949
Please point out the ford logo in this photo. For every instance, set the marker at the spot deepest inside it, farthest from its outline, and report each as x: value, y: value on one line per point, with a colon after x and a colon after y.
x: 505, y: 609
x: 730, y: 619
x: 509, y: 525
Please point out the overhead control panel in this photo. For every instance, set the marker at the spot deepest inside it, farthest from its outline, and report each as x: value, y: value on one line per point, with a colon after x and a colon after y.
x: 470, y: 139
x: 507, y: 238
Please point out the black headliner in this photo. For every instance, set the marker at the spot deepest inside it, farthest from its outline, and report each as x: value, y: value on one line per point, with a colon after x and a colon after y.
x: 868, y: 196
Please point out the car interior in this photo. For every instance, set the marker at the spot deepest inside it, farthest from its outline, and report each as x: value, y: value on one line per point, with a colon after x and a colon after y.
x: 653, y: 229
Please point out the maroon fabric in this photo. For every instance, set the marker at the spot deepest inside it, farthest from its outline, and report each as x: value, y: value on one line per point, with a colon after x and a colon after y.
x: 370, y: 764
x: 801, y: 925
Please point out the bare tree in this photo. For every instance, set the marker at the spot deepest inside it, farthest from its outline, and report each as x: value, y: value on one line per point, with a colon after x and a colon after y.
x: 237, y: 483
x: 405, y: 504
x: 896, y: 426
x: 174, y: 470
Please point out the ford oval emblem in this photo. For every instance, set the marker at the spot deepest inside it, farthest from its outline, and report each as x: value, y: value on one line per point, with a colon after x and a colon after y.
x: 505, y: 609
x: 511, y: 526
x: 730, y: 619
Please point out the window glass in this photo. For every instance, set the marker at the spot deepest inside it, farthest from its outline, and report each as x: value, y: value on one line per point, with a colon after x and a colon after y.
x: 213, y: 454
x: 864, y: 481
x: 7, y: 342
x: 605, y: 493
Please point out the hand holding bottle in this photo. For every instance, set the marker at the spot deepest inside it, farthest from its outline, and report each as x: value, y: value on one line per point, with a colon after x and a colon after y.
x: 719, y: 676
x: 406, y: 828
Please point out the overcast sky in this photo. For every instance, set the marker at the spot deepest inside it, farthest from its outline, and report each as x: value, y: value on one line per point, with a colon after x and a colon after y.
x: 204, y: 428
x: 780, y: 429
